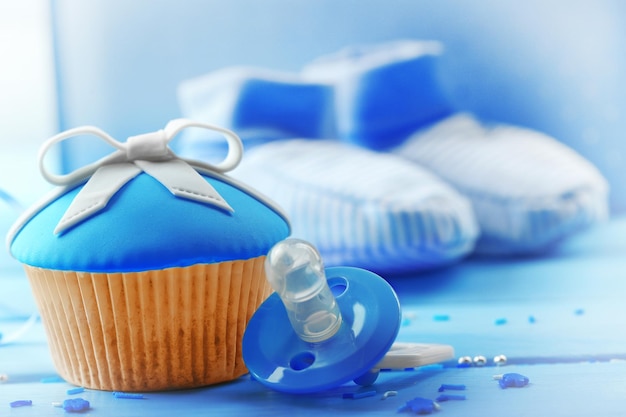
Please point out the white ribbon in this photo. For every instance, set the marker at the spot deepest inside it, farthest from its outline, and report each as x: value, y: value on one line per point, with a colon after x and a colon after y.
x: 147, y: 153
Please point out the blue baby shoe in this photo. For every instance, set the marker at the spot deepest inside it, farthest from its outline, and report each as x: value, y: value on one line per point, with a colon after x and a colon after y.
x: 260, y: 105
x: 382, y: 93
x: 528, y: 191
x: 361, y: 208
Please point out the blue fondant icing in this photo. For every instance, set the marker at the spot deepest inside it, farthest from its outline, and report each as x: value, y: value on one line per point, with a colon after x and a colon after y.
x: 145, y: 227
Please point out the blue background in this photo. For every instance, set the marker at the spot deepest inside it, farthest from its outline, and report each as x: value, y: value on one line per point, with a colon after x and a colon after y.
x: 557, y: 66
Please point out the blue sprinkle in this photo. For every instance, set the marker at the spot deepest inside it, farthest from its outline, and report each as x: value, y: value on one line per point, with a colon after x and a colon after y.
x: 406, y: 322
x: 579, y: 311
x: 73, y: 391
x: 513, y: 380
x: 441, y: 317
x: 75, y: 405
x: 51, y: 379
x: 532, y: 319
x: 21, y: 403
x: 128, y: 395
x: 452, y: 387
x: 449, y: 397
x: 500, y: 321
x: 357, y: 395
x: 419, y: 405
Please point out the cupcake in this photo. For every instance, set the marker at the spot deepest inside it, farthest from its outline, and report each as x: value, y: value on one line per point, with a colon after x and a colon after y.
x: 146, y: 267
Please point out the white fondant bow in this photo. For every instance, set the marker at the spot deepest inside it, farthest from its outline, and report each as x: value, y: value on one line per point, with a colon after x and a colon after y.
x: 147, y: 153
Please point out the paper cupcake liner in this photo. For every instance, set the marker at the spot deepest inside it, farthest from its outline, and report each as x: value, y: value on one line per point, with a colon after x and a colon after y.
x: 149, y: 331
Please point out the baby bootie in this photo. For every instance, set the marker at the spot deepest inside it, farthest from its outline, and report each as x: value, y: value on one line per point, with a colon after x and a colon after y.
x: 358, y: 207
x: 260, y: 105
x: 362, y: 208
x: 528, y: 191
x: 382, y: 93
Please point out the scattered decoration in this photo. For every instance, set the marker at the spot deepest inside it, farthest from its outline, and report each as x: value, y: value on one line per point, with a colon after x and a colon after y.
x: 512, y: 380
x: 450, y: 397
x: 480, y: 360
x: 420, y: 405
x: 501, y: 321
x: 4, y: 378
x: 500, y: 360
x: 441, y: 317
x: 388, y: 394
x: 21, y: 403
x: 452, y: 387
x: 465, y: 362
x: 532, y: 319
x: 128, y: 395
x: 579, y: 311
x: 407, y: 318
x: 75, y: 405
x: 73, y: 391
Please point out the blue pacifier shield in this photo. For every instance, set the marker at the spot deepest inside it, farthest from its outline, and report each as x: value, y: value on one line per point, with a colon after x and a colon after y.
x: 278, y: 358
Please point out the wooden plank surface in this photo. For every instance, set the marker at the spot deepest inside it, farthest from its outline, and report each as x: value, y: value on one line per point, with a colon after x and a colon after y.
x: 559, y: 319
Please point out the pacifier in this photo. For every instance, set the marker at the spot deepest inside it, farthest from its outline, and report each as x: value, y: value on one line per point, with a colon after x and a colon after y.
x: 322, y: 328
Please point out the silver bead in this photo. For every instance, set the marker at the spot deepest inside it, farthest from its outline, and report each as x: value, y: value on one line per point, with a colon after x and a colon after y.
x: 465, y: 361
x: 499, y: 360
x: 480, y: 360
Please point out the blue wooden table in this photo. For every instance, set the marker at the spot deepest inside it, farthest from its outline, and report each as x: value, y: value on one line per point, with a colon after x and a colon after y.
x: 560, y: 319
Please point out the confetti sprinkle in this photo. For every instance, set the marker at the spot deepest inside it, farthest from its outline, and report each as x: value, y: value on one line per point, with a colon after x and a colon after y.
x: 21, y: 403
x: 127, y: 395
x: 450, y: 397
x: 452, y: 387
x: 511, y: 380
x: 73, y: 391
x: 76, y: 405
x: 420, y: 406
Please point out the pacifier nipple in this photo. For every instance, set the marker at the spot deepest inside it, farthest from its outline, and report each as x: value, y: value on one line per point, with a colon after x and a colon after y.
x: 295, y: 271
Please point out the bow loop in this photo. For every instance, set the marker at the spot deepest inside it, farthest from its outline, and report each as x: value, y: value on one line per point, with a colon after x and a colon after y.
x: 148, y: 153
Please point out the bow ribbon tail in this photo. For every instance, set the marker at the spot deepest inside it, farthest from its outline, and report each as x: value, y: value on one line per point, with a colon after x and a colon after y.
x: 184, y: 181
x: 95, y: 195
